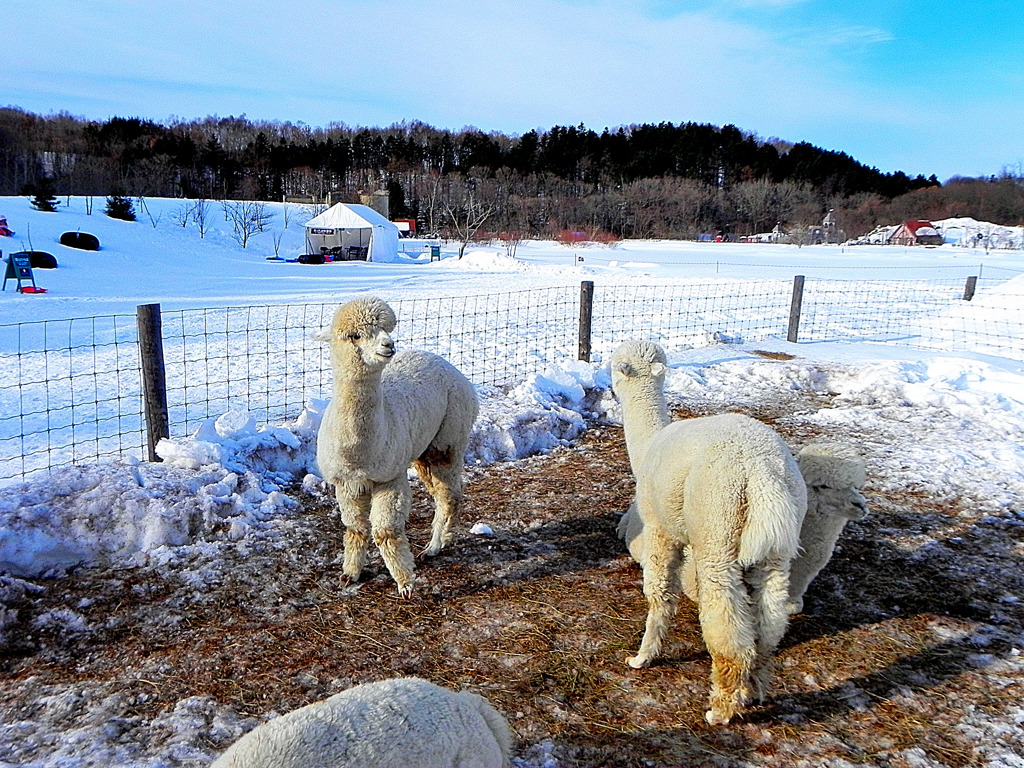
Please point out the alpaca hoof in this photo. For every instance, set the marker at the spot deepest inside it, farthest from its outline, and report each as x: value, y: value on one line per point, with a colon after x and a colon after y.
x: 429, y: 551
x: 637, y: 663
x: 714, y: 718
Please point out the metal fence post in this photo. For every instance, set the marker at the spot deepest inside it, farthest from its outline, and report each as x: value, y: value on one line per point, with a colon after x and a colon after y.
x: 972, y: 283
x: 794, y: 308
x: 586, y: 317
x: 154, y: 382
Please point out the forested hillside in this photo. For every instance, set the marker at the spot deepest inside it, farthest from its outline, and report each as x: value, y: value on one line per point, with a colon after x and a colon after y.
x: 664, y: 180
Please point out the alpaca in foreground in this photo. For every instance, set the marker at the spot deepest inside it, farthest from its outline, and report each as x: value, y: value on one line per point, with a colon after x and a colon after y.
x: 727, y: 488
x: 833, y: 476
x: 401, y: 722
x: 388, y: 411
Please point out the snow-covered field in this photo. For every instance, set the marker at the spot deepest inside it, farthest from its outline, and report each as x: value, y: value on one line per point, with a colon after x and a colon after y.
x: 948, y: 425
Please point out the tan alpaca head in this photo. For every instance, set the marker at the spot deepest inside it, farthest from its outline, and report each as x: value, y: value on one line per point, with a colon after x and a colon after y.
x: 638, y: 361
x: 361, y: 331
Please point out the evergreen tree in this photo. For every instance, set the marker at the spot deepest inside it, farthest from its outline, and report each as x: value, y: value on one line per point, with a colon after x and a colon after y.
x: 44, y: 197
x: 120, y: 207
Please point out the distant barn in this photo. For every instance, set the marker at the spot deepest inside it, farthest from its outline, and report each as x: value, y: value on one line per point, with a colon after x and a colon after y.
x: 917, y: 232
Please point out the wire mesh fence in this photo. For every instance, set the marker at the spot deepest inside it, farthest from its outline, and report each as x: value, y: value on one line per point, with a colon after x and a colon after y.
x: 687, y: 316
x: 929, y: 314
x: 71, y: 391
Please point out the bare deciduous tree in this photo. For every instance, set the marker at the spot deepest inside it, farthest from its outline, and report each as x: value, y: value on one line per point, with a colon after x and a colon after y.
x: 201, y: 215
x: 181, y: 214
x: 247, y: 217
x: 467, y: 212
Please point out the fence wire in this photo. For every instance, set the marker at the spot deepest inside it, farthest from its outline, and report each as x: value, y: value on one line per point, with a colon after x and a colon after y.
x: 689, y: 316
x: 71, y: 392
x: 929, y: 314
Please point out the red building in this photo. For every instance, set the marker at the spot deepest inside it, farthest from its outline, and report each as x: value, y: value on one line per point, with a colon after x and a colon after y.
x: 918, y: 232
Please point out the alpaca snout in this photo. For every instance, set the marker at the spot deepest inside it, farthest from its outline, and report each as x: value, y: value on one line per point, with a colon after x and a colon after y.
x: 386, y: 348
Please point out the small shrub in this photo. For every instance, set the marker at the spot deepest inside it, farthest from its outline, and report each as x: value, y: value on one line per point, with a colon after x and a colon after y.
x: 570, y: 236
x: 120, y: 207
x: 44, y: 198
x: 604, y: 238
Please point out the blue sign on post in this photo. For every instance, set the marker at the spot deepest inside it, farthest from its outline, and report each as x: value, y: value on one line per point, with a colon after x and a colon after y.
x: 19, y: 267
x: 435, y: 252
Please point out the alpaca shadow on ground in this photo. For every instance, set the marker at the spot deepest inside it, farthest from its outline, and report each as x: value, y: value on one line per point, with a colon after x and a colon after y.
x: 953, y: 600
x: 871, y: 580
x: 873, y: 583
x: 554, y: 548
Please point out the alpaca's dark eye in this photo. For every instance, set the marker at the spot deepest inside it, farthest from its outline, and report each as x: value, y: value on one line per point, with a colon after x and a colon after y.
x: 355, y: 336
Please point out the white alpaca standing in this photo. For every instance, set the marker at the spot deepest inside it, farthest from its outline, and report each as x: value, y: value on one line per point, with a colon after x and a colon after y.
x: 728, y: 488
x: 400, y: 723
x: 388, y: 411
x: 833, y: 476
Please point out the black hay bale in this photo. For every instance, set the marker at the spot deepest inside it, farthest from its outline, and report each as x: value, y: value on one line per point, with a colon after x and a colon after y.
x: 41, y: 259
x: 82, y: 240
x: 312, y: 258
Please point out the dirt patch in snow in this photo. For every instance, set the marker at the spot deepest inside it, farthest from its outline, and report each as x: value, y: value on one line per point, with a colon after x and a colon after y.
x: 908, y: 652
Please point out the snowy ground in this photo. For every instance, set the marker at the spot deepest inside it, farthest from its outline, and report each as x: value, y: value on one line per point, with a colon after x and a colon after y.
x: 942, y: 435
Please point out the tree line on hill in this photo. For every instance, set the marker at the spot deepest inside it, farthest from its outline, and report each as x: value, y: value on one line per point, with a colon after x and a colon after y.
x: 664, y: 180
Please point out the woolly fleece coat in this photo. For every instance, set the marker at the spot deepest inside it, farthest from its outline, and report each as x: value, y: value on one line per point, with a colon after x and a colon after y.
x: 400, y: 723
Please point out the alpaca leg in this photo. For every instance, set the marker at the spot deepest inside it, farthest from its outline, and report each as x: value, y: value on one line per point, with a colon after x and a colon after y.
x: 661, y: 585
x: 355, y: 514
x: 689, y: 576
x: 389, y: 512
x: 728, y: 629
x: 769, y: 592
x: 443, y: 480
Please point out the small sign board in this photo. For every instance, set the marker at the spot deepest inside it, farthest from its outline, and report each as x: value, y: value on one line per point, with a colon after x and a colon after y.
x: 19, y: 267
x: 435, y: 252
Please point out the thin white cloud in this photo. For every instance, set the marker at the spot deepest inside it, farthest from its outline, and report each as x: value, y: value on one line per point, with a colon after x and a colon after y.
x: 453, y: 63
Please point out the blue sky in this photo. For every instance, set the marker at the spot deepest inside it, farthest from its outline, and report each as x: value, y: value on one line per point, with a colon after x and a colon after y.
x: 923, y: 87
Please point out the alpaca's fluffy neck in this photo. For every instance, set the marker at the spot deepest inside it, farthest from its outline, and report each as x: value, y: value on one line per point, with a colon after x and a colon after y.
x: 644, y: 414
x: 360, y: 413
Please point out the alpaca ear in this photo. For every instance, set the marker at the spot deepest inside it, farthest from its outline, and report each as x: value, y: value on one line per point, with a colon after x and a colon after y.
x: 658, y: 369
x: 323, y: 334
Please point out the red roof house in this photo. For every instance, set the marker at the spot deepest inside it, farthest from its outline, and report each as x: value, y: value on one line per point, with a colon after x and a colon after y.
x: 918, y: 232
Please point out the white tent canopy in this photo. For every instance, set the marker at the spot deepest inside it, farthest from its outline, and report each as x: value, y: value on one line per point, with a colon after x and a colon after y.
x: 345, y: 229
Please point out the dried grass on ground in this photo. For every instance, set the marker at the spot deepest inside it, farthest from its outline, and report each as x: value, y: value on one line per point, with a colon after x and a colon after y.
x: 893, y: 652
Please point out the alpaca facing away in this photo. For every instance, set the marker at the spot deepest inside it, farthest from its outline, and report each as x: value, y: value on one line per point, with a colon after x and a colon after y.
x: 724, y: 492
x: 389, y: 411
x: 834, y: 475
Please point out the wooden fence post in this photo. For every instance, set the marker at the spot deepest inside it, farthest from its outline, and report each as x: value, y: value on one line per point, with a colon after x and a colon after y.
x: 972, y: 283
x: 154, y: 382
x: 794, y: 308
x: 586, y: 316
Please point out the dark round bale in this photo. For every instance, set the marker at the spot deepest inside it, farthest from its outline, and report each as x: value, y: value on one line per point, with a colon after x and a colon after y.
x: 41, y: 260
x: 81, y: 240
x: 312, y: 258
